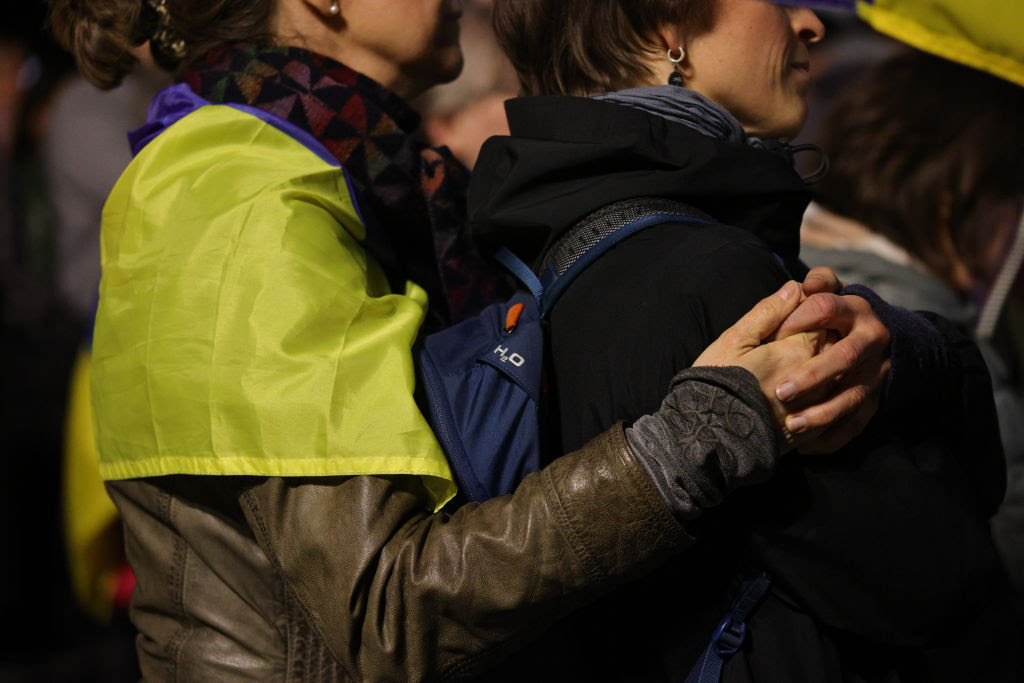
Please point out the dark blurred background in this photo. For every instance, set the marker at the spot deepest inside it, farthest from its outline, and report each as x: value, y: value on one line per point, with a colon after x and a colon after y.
x: 46, y: 636
x: 61, y: 148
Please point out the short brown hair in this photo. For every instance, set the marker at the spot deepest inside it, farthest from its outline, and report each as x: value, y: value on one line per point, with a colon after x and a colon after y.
x: 101, y: 33
x: 581, y: 47
x: 925, y: 152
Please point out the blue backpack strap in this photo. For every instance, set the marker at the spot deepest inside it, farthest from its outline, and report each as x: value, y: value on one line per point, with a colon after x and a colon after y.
x: 601, y: 230
x: 483, y: 377
x: 522, y: 272
x: 730, y: 633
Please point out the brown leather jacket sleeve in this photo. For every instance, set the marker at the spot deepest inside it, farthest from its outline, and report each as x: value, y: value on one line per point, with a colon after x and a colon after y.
x: 399, y: 593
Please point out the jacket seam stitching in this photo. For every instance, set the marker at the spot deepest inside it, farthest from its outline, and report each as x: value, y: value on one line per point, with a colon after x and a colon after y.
x: 272, y: 556
x: 177, y: 585
x: 653, y: 505
x: 566, y: 526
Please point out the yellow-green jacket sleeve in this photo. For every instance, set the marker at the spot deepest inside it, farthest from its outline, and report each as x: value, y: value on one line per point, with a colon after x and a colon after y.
x: 242, y: 329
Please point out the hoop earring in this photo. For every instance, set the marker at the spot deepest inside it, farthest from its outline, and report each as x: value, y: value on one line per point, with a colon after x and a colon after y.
x: 676, y: 78
x: 335, y: 9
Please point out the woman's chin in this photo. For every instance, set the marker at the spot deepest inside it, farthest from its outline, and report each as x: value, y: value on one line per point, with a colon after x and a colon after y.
x: 424, y: 76
x: 446, y: 65
x: 778, y: 129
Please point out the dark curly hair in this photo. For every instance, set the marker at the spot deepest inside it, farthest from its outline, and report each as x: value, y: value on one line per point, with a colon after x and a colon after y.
x: 101, y: 34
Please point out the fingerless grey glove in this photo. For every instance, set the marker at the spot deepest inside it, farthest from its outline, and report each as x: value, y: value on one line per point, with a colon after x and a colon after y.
x: 713, y: 433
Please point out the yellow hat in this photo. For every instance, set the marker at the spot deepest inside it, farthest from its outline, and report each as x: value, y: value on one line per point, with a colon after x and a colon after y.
x: 984, y: 34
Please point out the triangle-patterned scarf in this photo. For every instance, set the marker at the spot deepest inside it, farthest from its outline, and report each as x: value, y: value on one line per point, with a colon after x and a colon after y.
x: 416, y: 192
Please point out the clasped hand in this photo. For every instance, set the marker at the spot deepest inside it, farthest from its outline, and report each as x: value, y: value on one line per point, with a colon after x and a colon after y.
x: 821, y: 359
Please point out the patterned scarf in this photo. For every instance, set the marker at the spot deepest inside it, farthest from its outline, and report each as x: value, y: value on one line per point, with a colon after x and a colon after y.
x: 416, y: 192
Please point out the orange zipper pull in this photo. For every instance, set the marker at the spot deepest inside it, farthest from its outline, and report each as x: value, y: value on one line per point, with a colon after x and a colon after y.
x: 512, y: 318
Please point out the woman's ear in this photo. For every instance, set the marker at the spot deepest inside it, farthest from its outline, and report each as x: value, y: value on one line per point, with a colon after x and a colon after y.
x: 308, y: 24
x: 326, y: 10
x: 669, y: 37
x: 673, y: 55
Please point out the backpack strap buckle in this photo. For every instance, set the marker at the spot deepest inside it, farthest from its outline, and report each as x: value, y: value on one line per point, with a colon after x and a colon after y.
x: 729, y: 636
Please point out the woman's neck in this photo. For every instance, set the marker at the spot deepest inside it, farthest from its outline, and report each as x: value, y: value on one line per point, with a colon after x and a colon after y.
x: 301, y: 27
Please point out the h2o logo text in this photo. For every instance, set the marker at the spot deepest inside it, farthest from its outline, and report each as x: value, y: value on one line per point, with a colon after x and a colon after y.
x: 506, y: 357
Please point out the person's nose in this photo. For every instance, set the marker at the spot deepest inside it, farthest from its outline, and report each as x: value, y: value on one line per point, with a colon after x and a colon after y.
x: 806, y: 25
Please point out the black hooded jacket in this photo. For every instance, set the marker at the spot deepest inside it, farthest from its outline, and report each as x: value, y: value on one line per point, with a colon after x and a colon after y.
x: 881, y: 559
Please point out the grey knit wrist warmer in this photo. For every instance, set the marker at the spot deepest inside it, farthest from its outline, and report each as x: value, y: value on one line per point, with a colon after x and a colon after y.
x: 713, y: 433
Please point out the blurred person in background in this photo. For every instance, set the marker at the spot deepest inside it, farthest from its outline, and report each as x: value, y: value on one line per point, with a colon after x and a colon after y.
x: 464, y: 113
x: 49, y: 638
x: 852, y: 47
x: 85, y: 150
x: 922, y: 203
x: 11, y: 59
x: 34, y: 73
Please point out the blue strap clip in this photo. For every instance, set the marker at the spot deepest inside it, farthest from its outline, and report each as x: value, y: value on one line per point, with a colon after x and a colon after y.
x: 731, y: 632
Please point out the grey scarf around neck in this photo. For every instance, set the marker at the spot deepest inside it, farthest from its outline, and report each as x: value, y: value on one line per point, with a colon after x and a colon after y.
x: 688, y: 108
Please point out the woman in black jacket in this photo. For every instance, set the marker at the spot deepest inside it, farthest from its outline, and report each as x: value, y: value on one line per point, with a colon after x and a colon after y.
x: 881, y: 559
